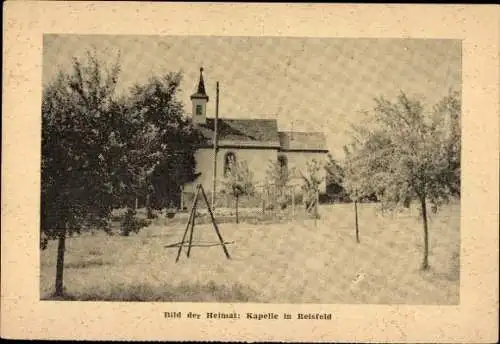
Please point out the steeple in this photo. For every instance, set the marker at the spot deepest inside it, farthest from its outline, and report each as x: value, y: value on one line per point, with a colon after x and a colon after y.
x: 200, y: 93
x: 199, y: 101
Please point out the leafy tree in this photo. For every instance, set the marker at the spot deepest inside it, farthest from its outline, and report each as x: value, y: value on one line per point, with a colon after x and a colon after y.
x: 81, y: 152
x: 446, y: 119
x: 238, y: 181
x: 335, y: 179
x: 100, y: 151
x: 354, y: 183
x: 166, y: 141
x: 130, y: 223
x: 408, y: 155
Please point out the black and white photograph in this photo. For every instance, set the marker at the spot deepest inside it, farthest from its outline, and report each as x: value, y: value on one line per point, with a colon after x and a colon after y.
x: 250, y: 172
x: 250, y: 169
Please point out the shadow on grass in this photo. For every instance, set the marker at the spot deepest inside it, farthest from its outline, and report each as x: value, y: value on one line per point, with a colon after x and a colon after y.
x: 209, y: 292
x: 92, y: 262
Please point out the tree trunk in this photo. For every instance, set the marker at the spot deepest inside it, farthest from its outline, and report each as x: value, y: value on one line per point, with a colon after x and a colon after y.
x: 149, y: 211
x: 60, y: 262
x: 316, y: 208
x: 425, y: 262
x: 237, y: 198
x: 356, y: 220
x: 182, y: 198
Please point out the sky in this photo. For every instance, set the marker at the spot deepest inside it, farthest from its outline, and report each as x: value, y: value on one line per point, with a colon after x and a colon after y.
x: 308, y: 84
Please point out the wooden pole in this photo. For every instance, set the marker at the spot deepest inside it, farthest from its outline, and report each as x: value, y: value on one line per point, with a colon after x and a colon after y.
x: 267, y: 197
x: 236, y: 206
x: 192, y: 228
x: 304, y: 201
x: 356, y: 219
x: 215, y: 223
x: 184, y: 236
x: 316, y: 207
x: 214, y: 182
x: 317, y: 203
x: 195, y: 200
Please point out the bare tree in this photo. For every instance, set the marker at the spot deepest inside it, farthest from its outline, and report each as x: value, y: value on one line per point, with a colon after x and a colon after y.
x: 238, y: 181
x: 278, y: 178
x: 312, y: 180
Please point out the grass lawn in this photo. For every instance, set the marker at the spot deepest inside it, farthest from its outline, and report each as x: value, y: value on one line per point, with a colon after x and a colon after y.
x: 297, y: 262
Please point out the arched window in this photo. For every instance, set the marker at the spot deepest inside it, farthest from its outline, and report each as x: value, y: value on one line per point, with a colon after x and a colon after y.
x: 229, y: 161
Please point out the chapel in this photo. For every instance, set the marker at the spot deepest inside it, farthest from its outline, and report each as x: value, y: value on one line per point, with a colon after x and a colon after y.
x: 256, y: 141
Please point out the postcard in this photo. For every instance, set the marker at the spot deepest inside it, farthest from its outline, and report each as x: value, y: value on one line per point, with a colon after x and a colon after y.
x: 250, y: 172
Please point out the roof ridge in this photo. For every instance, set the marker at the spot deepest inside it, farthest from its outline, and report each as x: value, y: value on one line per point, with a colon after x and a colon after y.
x: 300, y: 132
x: 244, y: 119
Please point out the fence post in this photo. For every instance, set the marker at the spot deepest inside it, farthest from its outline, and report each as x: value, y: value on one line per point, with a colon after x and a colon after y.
x: 304, y: 202
x: 317, y: 202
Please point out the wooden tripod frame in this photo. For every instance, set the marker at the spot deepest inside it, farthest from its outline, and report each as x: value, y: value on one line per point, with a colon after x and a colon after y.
x: 190, y: 225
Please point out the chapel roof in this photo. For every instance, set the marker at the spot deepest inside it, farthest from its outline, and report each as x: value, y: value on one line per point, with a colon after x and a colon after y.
x: 302, y: 141
x: 257, y: 133
x: 261, y: 132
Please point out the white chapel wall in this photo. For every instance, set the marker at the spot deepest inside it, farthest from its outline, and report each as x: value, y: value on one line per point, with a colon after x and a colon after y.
x: 256, y: 159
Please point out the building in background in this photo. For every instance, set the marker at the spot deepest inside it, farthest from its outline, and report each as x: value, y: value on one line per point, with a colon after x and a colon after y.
x: 259, y: 142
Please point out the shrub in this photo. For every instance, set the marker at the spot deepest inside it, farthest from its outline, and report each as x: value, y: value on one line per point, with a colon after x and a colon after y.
x: 284, y: 200
x: 131, y: 223
x: 44, y: 240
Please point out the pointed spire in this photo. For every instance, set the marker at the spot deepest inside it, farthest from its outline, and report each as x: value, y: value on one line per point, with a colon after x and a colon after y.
x: 201, y: 84
x: 200, y: 93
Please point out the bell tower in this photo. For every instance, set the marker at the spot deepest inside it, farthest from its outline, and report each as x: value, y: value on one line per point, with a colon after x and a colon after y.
x: 199, y: 101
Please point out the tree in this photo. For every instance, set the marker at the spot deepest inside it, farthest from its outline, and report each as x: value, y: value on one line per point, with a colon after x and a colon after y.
x: 80, y: 152
x: 335, y: 179
x: 238, y: 181
x: 312, y: 179
x: 408, y: 155
x: 446, y: 118
x: 278, y: 177
x: 166, y: 141
x: 355, y: 185
x: 100, y: 151
x: 277, y: 174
